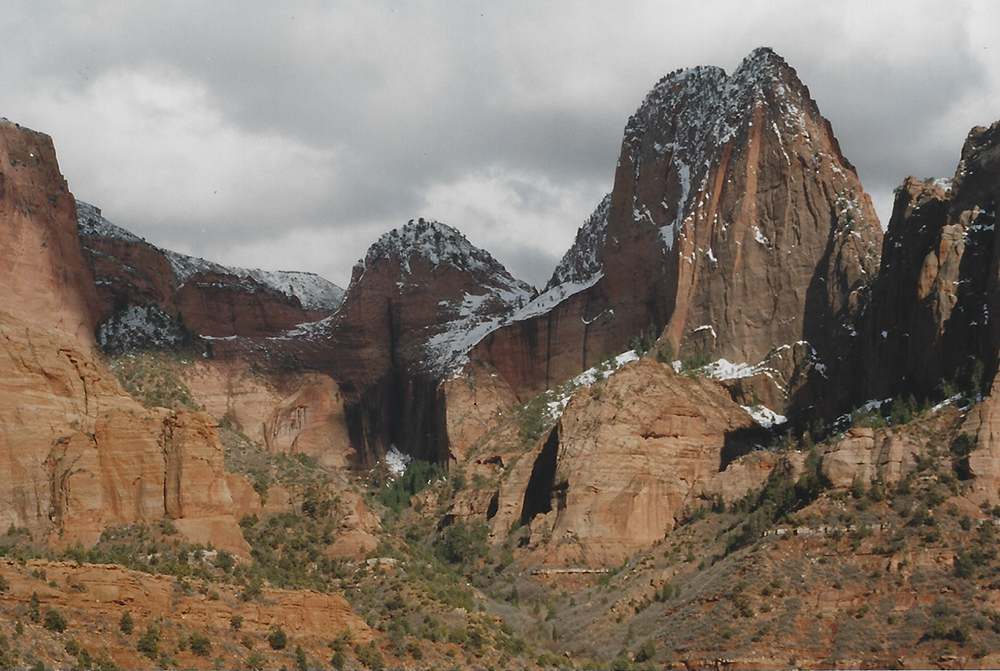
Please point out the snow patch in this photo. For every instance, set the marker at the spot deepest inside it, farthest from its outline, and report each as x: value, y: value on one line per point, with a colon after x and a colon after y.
x: 764, y: 416
x: 396, y: 461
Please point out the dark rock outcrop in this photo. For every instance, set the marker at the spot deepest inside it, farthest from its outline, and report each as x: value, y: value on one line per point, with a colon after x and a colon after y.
x: 932, y: 311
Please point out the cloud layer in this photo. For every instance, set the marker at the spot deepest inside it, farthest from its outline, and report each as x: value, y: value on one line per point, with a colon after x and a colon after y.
x: 291, y: 135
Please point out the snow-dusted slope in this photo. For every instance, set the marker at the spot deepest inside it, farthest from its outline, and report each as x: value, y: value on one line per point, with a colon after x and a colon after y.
x: 314, y: 292
x: 581, y: 265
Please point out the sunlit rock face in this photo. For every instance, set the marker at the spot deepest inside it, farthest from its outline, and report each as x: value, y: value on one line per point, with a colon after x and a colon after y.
x: 735, y: 225
x: 45, y: 281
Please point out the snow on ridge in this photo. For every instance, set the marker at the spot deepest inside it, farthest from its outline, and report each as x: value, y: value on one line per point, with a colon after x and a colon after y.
x: 439, y: 244
x: 313, y: 291
x: 560, y: 399
x: 585, y: 258
x: 90, y: 221
x: 695, y: 112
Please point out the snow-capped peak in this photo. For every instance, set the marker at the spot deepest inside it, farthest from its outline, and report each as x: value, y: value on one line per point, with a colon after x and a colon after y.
x: 437, y: 244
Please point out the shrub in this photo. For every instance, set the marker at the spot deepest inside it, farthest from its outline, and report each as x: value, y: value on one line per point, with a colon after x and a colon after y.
x: 54, y: 620
x: 149, y: 642
x: 370, y: 656
x: 126, y: 623
x: 646, y: 652
x: 201, y: 645
x: 257, y: 660
x: 343, y: 641
x: 34, y: 608
x: 277, y: 638
x: 463, y: 543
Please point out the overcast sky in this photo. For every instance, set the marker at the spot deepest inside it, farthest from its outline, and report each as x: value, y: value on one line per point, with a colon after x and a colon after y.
x: 290, y: 135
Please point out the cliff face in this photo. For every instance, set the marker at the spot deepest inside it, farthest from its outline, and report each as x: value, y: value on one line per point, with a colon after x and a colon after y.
x: 45, y: 280
x: 932, y: 307
x: 422, y: 297
x: 628, y: 459
x: 153, y: 298
x: 735, y: 224
x: 80, y: 454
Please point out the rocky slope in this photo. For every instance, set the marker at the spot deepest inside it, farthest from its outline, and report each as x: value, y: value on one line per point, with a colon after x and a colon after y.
x: 154, y: 298
x: 45, y: 280
x: 729, y: 189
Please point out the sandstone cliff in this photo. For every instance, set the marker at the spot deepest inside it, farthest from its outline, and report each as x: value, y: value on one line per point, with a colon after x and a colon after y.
x: 45, y: 280
x: 81, y: 455
x: 422, y: 297
x: 931, y: 309
x: 629, y: 458
x: 735, y: 222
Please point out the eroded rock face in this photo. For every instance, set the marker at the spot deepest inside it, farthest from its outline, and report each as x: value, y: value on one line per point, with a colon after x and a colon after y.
x: 81, y: 455
x: 45, y: 281
x: 154, y: 298
x: 232, y: 391
x: 421, y: 298
x: 476, y: 400
x: 735, y: 222
x: 932, y: 307
x: 627, y: 461
x: 868, y: 455
x: 311, y: 421
x: 983, y: 425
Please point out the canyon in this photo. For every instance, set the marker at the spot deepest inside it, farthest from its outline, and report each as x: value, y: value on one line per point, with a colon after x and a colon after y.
x: 733, y: 368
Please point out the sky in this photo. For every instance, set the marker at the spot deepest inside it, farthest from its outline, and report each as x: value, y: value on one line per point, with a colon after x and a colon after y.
x: 291, y: 135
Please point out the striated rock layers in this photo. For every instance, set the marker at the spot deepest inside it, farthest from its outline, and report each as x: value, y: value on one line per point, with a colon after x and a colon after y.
x: 421, y: 298
x: 79, y: 454
x: 735, y: 224
x: 44, y: 278
x: 153, y: 298
x: 932, y: 309
x: 629, y: 457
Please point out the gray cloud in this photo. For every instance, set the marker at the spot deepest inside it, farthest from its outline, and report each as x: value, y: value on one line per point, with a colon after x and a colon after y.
x: 293, y: 134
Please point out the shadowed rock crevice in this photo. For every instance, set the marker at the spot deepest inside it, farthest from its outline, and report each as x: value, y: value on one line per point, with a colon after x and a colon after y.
x: 538, y: 494
x: 740, y: 442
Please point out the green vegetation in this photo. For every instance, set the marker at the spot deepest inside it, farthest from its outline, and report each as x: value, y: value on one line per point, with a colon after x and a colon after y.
x: 153, y: 379
x: 779, y: 497
x: 126, y: 624
x: 418, y: 476
x: 149, y: 642
x: 277, y: 638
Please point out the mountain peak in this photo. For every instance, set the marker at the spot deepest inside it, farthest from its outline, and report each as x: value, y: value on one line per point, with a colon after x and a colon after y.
x: 436, y: 244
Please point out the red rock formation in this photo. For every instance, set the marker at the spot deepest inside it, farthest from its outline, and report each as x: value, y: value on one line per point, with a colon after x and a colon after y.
x: 80, y: 454
x: 931, y: 309
x: 179, y: 295
x: 628, y: 459
x: 419, y: 301
x: 311, y: 421
x: 735, y: 222
x: 45, y: 280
